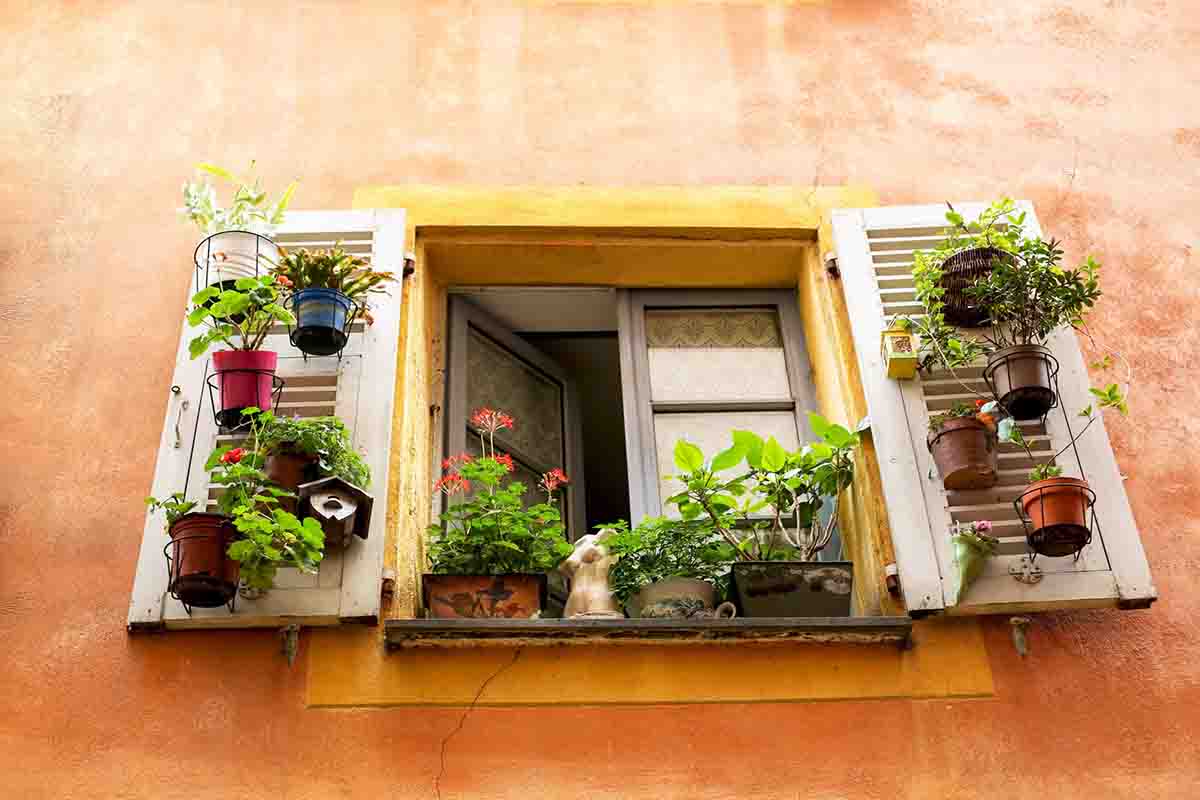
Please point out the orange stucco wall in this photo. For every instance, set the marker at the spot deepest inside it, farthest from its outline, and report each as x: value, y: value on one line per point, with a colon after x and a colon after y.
x: 1087, y: 108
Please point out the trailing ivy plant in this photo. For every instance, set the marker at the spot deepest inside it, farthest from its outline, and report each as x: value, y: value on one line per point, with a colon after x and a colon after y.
x: 240, y: 318
x: 1026, y: 294
x: 249, y: 209
x: 324, y: 438
x: 785, y: 485
x: 660, y: 548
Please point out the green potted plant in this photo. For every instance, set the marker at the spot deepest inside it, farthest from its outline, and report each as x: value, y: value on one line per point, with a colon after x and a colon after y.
x: 667, y: 568
x: 962, y: 441
x: 489, y: 553
x: 201, y: 574
x: 330, y: 289
x: 240, y: 318
x: 266, y: 536
x: 299, y: 450
x: 1054, y: 506
x: 1019, y: 290
x: 768, y: 578
x: 237, y: 241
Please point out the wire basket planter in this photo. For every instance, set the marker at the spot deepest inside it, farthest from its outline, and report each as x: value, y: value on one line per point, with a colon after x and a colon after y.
x: 233, y: 390
x: 324, y: 318
x: 959, y: 271
x: 1058, y: 515
x: 200, y: 573
x: 1024, y: 379
x: 224, y: 258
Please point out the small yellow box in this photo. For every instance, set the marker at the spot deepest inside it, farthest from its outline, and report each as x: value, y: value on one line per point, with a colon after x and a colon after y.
x: 900, y: 350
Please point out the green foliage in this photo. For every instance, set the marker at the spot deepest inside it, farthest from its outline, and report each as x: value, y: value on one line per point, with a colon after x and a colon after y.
x: 1043, y: 471
x: 240, y: 318
x: 268, y: 536
x: 332, y: 269
x: 773, y: 481
x: 175, y: 506
x: 493, y: 532
x: 1027, y: 295
x: 249, y: 209
x: 323, y: 438
x: 661, y: 548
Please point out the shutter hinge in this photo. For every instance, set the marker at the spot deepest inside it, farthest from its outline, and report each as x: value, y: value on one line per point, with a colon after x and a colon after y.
x: 831, y: 266
x: 892, y: 579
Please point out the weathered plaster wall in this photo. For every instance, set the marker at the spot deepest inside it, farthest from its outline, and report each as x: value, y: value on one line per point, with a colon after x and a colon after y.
x: 1087, y: 108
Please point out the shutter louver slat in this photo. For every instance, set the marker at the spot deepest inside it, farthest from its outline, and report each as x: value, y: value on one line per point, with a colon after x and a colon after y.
x: 875, y: 249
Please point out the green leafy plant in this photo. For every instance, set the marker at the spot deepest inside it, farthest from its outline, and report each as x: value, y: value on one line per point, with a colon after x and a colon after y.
x: 782, y: 484
x: 332, y: 269
x: 240, y: 318
x: 961, y: 410
x: 1111, y: 396
x: 249, y: 209
x: 492, y: 531
x: 323, y: 438
x: 1026, y: 294
x: 268, y: 537
x: 660, y: 548
x: 175, y: 506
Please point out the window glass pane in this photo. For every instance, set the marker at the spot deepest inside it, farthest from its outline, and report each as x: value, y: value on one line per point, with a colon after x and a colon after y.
x: 715, y: 354
x: 711, y: 433
x: 498, y: 379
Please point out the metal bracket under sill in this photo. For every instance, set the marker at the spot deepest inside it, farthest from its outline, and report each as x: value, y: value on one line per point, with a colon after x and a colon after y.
x: 408, y: 633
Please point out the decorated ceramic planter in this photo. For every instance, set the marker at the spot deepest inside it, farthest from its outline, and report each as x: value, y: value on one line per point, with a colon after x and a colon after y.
x: 793, y: 588
x: 323, y: 318
x: 899, y: 347
x: 245, y: 379
x: 1022, y: 379
x: 678, y: 598
x: 964, y: 452
x: 1056, y: 512
x: 510, y: 596
x: 200, y: 573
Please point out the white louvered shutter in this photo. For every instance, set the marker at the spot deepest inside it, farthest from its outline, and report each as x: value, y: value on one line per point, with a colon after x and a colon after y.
x: 359, y: 388
x: 875, y: 253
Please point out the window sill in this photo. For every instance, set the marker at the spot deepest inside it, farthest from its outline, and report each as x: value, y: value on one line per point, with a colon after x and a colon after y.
x: 407, y: 633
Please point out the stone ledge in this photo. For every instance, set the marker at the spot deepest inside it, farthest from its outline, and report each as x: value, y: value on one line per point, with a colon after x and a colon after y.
x: 407, y: 633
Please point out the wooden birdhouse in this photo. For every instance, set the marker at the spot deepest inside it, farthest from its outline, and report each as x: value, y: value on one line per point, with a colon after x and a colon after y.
x: 900, y: 351
x: 343, y: 509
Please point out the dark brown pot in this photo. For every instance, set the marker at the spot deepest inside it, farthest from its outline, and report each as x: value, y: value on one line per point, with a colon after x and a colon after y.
x: 289, y: 470
x: 959, y: 271
x: 201, y: 574
x: 964, y: 451
x: 511, y: 596
x: 1022, y: 378
x: 1057, y: 510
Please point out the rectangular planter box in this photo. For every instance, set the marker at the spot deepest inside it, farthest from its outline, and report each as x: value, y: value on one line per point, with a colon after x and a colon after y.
x: 793, y: 588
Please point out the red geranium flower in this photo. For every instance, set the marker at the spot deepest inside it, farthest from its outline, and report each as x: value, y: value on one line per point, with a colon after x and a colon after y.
x: 980, y: 403
x: 506, y: 460
x: 454, y: 461
x: 452, y: 484
x: 553, y: 479
x: 491, y: 420
x: 284, y: 280
x: 233, y: 456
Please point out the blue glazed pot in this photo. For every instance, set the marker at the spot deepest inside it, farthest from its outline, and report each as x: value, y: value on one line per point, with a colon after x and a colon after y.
x: 321, y: 315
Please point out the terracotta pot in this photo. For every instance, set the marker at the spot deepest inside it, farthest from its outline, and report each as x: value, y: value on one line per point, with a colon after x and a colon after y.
x: 289, y: 470
x: 677, y: 598
x: 1021, y: 377
x: 964, y: 451
x: 246, y: 378
x: 511, y: 596
x: 793, y: 588
x: 229, y: 256
x: 1057, y: 510
x: 201, y: 573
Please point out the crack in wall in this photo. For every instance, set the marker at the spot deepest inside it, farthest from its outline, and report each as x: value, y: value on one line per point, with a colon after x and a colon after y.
x: 437, y: 781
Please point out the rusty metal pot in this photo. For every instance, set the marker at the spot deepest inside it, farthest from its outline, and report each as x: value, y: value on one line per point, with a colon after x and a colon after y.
x: 1022, y: 378
x: 964, y: 451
